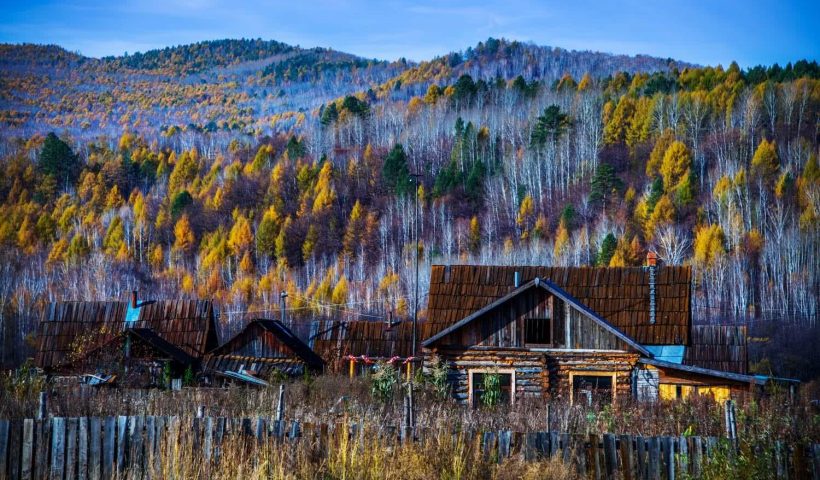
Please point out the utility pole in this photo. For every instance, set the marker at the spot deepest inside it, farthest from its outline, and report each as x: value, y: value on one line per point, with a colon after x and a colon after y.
x: 411, y: 404
x: 282, y: 297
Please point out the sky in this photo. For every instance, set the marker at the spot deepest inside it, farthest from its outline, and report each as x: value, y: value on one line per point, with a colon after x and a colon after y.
x: 706, y: 32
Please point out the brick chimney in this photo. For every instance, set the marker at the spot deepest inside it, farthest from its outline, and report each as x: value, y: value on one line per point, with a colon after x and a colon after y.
x: 133, y: 299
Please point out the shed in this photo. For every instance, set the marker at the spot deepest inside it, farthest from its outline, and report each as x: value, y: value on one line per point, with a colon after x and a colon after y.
x: 261, y: 349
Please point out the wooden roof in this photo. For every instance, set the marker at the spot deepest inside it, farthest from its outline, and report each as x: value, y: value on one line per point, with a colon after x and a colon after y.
x: 718, y: 347
x: 551, y: 288
x: 333, y: 339
x: 69, y: 330
x: 275, y: 341
x: 619, y: 295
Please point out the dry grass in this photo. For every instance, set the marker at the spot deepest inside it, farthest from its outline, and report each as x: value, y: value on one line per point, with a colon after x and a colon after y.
x: 367, y: 456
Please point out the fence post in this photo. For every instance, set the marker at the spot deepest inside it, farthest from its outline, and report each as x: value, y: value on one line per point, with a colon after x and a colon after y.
x: 731, y: 422
x: 280, y: 404
x: 200, y: 411
x: 42, y: 411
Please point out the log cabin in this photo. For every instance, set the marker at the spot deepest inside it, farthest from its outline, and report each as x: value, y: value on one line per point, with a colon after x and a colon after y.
x: 579, y: 334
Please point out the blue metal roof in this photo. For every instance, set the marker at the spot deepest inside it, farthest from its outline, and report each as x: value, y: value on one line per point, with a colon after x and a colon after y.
x: 667, y: 353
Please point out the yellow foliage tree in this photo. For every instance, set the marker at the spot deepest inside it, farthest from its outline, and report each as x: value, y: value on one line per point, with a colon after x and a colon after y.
x: 184, y: 240
x: 765, y: 161
x: 525, y: 215
x: 340, y: 292
x: 240, y: 238
x: 676, y: 163
x: 709, y: 241
x: 653, y: 165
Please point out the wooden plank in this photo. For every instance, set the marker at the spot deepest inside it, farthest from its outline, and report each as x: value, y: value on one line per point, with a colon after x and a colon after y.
x: 566, y: 444
x: 122, y: 435
x: 683, y: 457
x: 554, y: 443
x: 218, y: 436
x: 696, y: 453
x: 610, y: 456
x: 595, y: 465
x: 27, y: 456
x: 640, y: 458
x: 95, y: 450
x: 82, y: 448
x: 135, y: 446
x: 57, y: 448
x: 150, y: 445
x: 109, y: 447
x: 208, y: 440
x: 654, y: 453
x: 15, y: 448
x: 627, y: 457
x: 42, y: 441
x: 71, y: 449
x: 669, y: 457
x: 4, y: 447
x: 504, y: 438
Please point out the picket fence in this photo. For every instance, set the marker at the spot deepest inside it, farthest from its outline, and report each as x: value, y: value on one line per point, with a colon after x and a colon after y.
x: 131, y: 447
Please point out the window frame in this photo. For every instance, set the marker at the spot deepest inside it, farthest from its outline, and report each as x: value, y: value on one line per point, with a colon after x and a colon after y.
x: 502, y: 371
x: 582, y: 373
x: 550, y: 331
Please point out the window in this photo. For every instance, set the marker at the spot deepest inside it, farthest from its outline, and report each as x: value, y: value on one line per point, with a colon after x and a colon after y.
x: 476, y: 385
x: 538, y: 331
x: 592, y: 388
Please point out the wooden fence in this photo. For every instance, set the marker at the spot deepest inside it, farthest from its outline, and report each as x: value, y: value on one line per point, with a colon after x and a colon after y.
x: 130, y: 447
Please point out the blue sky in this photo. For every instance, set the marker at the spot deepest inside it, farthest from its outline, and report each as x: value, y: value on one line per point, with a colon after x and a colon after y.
x: 707, y: 32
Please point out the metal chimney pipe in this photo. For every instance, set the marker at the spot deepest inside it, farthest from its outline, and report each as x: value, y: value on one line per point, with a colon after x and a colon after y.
x: 652, y: 262
x: 517, y: 279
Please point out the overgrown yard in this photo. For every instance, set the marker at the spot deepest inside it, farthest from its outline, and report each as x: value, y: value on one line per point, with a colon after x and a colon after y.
x: 447, y: 449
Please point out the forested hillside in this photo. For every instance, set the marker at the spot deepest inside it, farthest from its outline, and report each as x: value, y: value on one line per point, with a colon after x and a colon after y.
x: 233, y: 170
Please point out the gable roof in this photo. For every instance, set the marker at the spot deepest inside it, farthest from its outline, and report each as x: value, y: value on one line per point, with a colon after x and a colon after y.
x: 551, y: 288
x: 279, y: 331
x: 619, y: 295
x: 70, y: 329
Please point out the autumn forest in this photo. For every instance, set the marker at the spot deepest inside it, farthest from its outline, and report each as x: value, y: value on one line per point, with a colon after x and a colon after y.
x: 237, y: 169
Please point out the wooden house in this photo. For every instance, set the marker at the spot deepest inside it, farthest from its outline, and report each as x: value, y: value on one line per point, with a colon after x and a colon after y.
x: 579, y: 334
x: 109, y: 339
x: 262, y: 349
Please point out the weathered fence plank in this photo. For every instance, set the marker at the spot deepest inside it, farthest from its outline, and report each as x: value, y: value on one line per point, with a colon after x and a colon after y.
x: 654, y: 467
x: 27, y: 457
x: 697, y: 457
x: 122, y: 435
x: 95, y: 448
x: 4, y: 447
x: 71, y: 449
x: 57, y: 448
x: 82, y: 448
x: 41, y: 444
x: 15, y: 448
x: 109, y: 447
x: 627, y: 457
x: 610, y: 456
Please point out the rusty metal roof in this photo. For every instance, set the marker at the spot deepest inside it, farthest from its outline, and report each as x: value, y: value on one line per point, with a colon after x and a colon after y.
x: 69, y: 330
x: 619, y: 295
